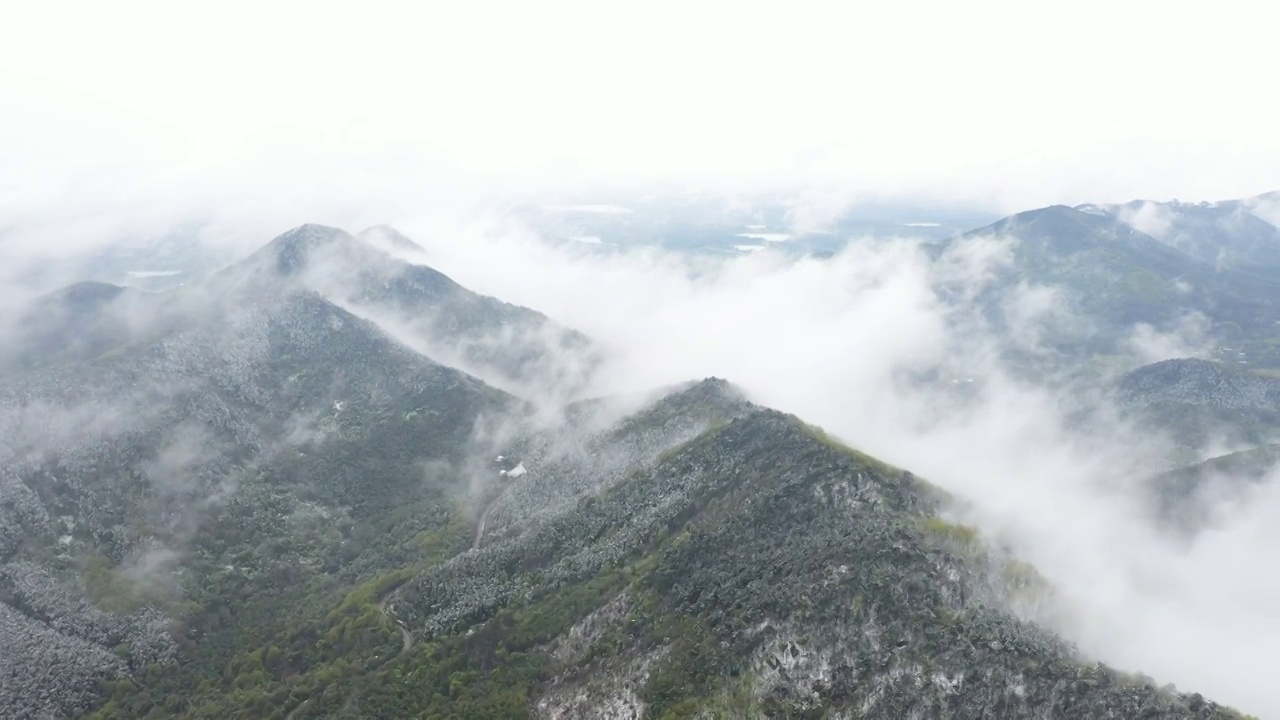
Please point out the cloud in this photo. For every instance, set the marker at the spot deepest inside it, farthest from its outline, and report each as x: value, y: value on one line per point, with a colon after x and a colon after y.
x: 423, y: 102
x: 887, y: 345
x: 1188, y: 338
x: 428, y: 122
x: 884, y: 344
x: 867, y: 344
x: 1266, y: 207
x: 1150, y: 218
x: 1034, y: 315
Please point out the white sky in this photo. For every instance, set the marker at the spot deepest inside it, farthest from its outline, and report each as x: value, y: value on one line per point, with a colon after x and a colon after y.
x: 1016, y: 103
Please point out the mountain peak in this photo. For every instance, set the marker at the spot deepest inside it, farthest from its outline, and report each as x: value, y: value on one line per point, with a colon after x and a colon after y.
x: 293, y: 248
x: 714, y: 390
x: 312, y: 232
x: 1064, y: 228
x: 1052, y: 213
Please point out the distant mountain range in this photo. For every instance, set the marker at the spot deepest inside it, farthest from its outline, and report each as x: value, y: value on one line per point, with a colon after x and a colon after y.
x: 1241, y: 235
x: 1209, y: 272
x: 1205, y: 407
x: 1208, y: 267
x: 288, y: 491
x: 1189, y: 499
x: 507, y: 345
x: 1109, y: 277
x: 1200, y: 397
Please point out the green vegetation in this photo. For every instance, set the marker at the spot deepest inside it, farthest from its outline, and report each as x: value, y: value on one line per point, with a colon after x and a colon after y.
x: 272, y: 629
x: 761, y: 569
x: 960, y: 537
x: 691, y: 670
x: 1144, y: 286
x: 1023, y: 582
x: 695, y: 592
x: 1019, y: 573
x: 864, y: 459
x: 108, y: 588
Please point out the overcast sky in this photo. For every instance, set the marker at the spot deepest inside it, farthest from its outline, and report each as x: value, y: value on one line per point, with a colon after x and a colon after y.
x: 1010, y: 104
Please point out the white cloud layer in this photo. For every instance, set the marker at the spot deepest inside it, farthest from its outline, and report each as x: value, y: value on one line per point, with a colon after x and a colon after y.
x: 838, y: 343
x: 1004, y: 103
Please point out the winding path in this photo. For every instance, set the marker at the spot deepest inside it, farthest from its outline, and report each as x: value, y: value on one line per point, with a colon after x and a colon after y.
x: 484, y: 518
x: 406, y: 637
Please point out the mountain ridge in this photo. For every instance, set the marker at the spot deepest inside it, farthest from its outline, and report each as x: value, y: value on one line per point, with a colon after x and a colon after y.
x: 1238, y: 233
x: 266, y: 504
x: 1109, y: 279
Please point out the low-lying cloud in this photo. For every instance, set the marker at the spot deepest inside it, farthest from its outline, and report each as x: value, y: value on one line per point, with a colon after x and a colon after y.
x: 892, y: 347
x: 845, y: 342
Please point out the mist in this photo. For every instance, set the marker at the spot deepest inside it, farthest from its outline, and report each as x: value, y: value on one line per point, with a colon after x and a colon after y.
x: 439, y: 121
x: 842, y: 343
x: 884, y: 345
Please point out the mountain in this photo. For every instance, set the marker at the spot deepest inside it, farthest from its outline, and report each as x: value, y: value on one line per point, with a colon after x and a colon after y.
x: 1233, y: 234
x: 261, y: 500
x: 1186, y: 498
x: 1204, y: 406
x: 147, y: 486
x: 1111, y: 277
x: 510, y: 346
x: 760, y: 569
x: 143, y: 260
x: 708, y: 556
x: 70, y: 324
x: 200, y: 416
x: 1200, y: 401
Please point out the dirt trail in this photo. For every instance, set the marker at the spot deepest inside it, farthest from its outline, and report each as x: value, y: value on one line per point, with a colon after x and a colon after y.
x: 484, y: 518
x: 406, y: 643
x: 406, y: 637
